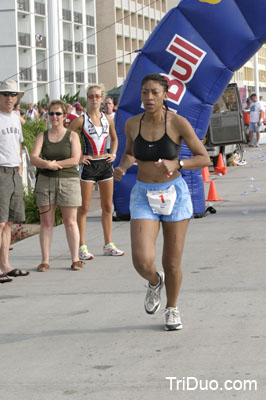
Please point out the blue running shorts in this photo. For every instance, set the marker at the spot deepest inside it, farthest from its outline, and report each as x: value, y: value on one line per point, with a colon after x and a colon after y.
x: 140, y: 207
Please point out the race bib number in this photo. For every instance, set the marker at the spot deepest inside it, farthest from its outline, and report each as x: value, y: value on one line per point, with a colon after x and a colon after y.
x: 162, y: 201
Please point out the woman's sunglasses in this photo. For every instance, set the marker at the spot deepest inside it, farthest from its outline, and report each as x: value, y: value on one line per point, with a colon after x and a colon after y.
x: 57, y: 113
x: 91, y: 96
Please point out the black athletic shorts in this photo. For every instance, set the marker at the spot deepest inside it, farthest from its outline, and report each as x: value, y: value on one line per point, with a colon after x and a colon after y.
x: 97, y: 171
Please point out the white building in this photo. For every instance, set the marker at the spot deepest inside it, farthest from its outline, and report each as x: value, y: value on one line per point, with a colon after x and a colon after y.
x: 48, y: 46
x: 123, y: 26
x: 245, y: 76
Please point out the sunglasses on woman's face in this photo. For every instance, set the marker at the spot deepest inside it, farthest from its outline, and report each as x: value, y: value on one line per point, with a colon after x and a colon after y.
x: 57, y: 113
x: 92, y: 96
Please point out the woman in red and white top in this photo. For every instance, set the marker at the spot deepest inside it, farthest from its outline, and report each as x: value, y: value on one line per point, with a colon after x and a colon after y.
x: 96, y: 165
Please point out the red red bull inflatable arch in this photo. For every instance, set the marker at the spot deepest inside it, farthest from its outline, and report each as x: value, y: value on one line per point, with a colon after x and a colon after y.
x: 197, y: 46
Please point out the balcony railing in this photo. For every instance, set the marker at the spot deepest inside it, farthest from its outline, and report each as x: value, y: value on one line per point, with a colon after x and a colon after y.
x: 40, y: 41
x: 23, y: 5
x: 67, y: 15
x: 78, y: 47
x: 91, y: 77
x: 69, y: 76
x: 91, y: 49
x: 24, y: 39
x: 39, y: 8
x: 80, y: 77
x: 89, y: 20
x: 25, y: 74
x: 77, y: 17
x: 68, y: 45
x: 42, y: 75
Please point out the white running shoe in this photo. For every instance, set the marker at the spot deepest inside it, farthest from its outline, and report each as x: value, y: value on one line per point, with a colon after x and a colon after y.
x: 172, y: 319
x: 110, y: 249
x: 84, y: 254
x: 152, y: 301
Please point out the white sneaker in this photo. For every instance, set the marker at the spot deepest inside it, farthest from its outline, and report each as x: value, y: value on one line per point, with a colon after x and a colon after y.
x: 110, y: 249
x: 152, y: 301
x: 84, y: 254
x: 172, y: 319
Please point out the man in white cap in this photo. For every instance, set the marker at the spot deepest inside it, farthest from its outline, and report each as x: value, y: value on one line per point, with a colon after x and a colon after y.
x: 11, y: 192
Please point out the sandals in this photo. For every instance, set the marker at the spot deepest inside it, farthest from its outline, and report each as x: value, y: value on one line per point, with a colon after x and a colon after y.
x: 77, y: 265
x: 17, y: 272
x: 43, y: 267
x: 4, y: 278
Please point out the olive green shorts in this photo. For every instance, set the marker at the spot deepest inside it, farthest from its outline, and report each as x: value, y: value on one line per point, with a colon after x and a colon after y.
x: 60, y: 191
x: 12, y: 207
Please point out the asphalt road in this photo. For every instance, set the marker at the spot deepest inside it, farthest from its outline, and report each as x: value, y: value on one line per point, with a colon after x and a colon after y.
x: 85, y: 335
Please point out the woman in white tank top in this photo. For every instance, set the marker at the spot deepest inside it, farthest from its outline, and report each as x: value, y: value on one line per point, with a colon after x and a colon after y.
x: 96, y: 166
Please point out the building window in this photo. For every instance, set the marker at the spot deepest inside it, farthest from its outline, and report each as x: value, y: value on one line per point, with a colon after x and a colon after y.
x: 89, y: 20
x: 69, y: 76
x: 91, y: 49
x: 24, y: 39
x: 40, y: 41
x: 80, y: 77
x: 91, y: 77
x: 68, y: 46
x: 77, y: 17
x: 78, y: 47
x: 66, y: 15
x: 23, y: 5
x: 42, y: 75
x: 25, y: 74
x: 39, y: 8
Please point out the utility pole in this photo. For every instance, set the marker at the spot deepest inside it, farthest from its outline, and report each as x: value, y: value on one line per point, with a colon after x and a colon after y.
x: 256, y: 76
x: 54, y: 60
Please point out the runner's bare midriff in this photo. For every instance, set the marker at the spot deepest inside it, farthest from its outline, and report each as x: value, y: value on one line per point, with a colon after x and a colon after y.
x: 148, y: 172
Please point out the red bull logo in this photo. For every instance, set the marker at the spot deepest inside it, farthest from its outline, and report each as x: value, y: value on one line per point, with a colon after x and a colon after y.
x: 188, y: 58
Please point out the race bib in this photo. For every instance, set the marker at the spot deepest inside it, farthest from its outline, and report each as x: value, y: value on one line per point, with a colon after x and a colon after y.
x: 162, y: 201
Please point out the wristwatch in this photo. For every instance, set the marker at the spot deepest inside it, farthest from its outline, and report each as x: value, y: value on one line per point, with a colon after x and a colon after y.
x: 114, y: 155
x: 181, y: 164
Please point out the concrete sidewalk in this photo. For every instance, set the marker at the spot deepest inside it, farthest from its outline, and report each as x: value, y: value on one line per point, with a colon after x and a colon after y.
x: 85, y: 335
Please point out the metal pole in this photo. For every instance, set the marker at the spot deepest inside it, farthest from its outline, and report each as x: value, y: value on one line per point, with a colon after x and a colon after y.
x: 54, y: 60
x: 256, y: 76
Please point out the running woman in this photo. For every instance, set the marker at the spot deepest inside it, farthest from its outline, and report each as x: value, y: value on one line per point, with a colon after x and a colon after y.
x: 154, y: 139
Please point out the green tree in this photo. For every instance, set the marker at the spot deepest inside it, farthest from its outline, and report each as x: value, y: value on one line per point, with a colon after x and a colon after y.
x: 30, y: 130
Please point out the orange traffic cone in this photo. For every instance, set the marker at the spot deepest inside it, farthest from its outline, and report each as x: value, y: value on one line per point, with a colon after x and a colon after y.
x: 220, y: 167
x: 213, y: 196
x: 205, y: 174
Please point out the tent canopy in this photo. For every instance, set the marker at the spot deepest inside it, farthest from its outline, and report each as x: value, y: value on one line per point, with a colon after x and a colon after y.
x: 115, y: 92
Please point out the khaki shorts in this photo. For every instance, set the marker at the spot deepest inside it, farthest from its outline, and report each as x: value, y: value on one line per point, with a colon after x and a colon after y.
x: 60, y: 191
x: 12, y: 207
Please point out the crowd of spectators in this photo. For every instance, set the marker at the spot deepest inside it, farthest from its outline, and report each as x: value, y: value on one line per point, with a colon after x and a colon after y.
x: 35, y: 112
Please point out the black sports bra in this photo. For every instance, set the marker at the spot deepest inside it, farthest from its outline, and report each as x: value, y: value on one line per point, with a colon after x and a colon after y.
x: 164, y: 148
